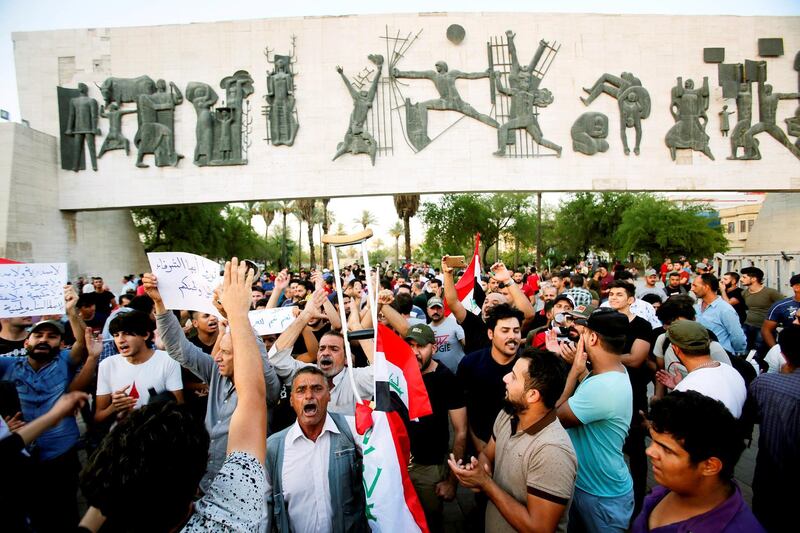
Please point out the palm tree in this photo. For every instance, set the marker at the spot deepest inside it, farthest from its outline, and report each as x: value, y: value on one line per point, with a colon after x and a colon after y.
x: 365, y: 219
x: 285, y: 208
x: 406, y: 206
x: 326, y: 225
x: 397, y: 231
x: 305, y: 211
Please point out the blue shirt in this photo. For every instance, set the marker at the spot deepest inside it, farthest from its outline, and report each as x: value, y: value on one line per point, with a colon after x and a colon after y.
x: 604, y: 405
x: 721, y: 318
x: 783, y: 311
x: 38, y: 392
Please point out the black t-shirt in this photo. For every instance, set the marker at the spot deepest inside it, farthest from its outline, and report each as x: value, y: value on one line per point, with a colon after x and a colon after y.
x: 539, y: 320
x: 104, y: 302
x: 475, y: 336
x: 639, y: 329
x: 12, y: 348
x: 194, y: 339
x: 430, y: 436
x: 741, y: 307
x: 670, y: 291
x: 481, y: 378
x: 300, y: 344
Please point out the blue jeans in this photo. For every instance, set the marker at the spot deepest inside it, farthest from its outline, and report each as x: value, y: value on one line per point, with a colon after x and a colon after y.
x: 754, y: 339
x: 596, y: 514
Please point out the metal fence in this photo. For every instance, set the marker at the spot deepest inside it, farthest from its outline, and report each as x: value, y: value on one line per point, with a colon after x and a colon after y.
x: 778, y: 267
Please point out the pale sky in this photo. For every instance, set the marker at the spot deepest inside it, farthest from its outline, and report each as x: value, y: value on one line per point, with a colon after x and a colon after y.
x: 31, y: 15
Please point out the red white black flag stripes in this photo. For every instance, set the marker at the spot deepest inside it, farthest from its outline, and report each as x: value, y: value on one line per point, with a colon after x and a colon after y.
x: 469, y: 290
x: 392, y: 502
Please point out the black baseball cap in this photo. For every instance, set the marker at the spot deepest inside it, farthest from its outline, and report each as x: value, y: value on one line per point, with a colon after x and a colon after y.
x: 606, y: 321
x: 55, y: 324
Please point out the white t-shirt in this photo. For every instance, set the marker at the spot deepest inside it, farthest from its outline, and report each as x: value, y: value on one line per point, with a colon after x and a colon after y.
x: 721, y: 383
x: 160, y: 372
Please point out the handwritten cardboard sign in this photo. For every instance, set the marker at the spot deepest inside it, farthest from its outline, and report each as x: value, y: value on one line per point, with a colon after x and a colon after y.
x: 186, y: 281
x: 32, y: 289
x: 271, y: 321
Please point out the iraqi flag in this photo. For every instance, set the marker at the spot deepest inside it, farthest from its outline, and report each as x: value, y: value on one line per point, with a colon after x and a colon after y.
x: 392, y: 502
x: 469, y: 290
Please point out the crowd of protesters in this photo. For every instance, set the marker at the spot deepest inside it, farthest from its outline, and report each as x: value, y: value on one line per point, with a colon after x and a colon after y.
x: 553, y: 393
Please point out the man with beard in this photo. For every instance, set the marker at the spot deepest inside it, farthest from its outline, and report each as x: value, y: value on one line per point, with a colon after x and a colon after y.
x: 758, y: 298
x: 216, y: 370
x: 41, y: 379
x: 673, y: 285
x: 481, y: 372
x: 331, y: 360
x: 430, y: 435
x: 717, y: 315
x: 732, y: 293
x: 474, y: 325
x: 528, y: 468
x: 314, y: 464
x: 596, y: 408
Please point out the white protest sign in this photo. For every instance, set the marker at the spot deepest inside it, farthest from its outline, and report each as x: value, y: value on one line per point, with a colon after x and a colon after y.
x: 186, y: 281
x: 271, y: 321
x: 32, y: 289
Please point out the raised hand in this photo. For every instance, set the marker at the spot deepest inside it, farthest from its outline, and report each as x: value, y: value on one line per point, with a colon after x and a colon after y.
x: 317, y: 279
x: 385, y: 297
x: 70, y: 298
x: 282, y: 280
x: 150, y: 284
x: 446, y: 269
x: 579, y: 360
x: 94, y: 344
x: 500, y: 272
x: 236, y: 288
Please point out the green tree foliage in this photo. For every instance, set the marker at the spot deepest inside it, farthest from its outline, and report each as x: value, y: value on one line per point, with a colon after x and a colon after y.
x: 659, y: 227
x: 588, y: 221
x: 216, y: 231
x: 451, y: 224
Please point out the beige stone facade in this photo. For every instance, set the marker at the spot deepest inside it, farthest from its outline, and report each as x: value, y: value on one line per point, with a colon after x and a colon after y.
x: 737, y: 223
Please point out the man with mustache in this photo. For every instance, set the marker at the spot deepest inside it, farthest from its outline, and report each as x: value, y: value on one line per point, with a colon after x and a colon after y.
x: 430, y: 435
x: 527, y: 470
x: 481, y: 372
x: 41, y: 379
x: 331, y: 359
x: 315, y: 465
x: 217, y: 370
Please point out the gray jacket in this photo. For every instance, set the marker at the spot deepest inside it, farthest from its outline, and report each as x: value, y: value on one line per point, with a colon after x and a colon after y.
x: 344, y: 481
x: 222, y: 398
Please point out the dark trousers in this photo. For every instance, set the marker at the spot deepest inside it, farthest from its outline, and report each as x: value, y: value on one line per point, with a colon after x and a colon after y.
x: 55, y: 483
x: 635, y: 448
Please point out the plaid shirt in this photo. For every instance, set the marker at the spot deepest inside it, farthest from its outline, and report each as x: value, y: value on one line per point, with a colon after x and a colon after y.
x: 778, y: 399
